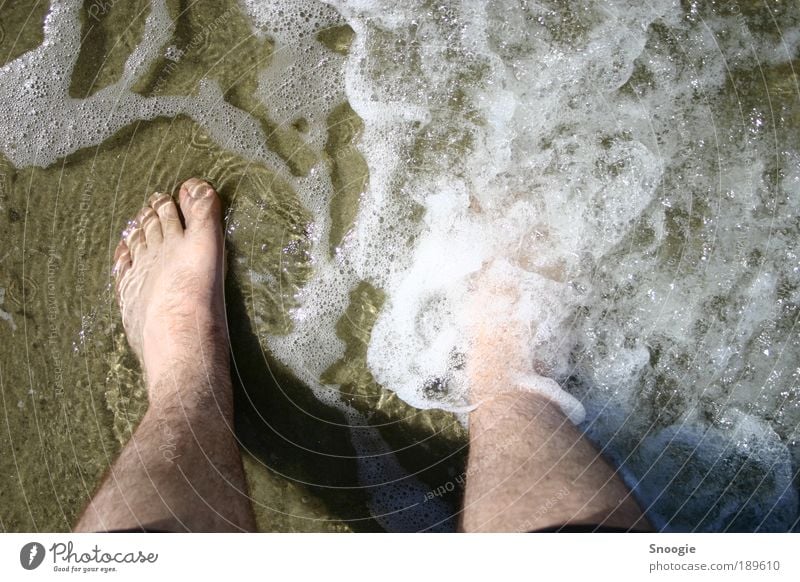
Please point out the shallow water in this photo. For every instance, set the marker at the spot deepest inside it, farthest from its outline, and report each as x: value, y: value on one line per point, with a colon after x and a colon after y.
x: 632, y: 169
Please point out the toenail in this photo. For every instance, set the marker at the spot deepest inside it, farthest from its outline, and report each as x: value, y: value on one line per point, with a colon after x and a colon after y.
x: 134, y: 236
x: 144, y: 215
x: 199, y: 190
x: 158, y: 198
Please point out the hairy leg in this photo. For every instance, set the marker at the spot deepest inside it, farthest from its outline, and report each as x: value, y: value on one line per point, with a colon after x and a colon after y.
x: 181, y: 470
x: 529, y: 467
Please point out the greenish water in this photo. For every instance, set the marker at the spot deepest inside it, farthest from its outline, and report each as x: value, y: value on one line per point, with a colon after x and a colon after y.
x: 71, y: 390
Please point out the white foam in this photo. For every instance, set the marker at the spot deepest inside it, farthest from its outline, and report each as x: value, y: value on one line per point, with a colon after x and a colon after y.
x: 304, y: 77
x: 561, y: 170
x: 524, y: 208
x: 42, y: 123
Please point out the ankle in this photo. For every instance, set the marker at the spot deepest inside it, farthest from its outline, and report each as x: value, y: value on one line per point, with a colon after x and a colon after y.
x: 193, y: 389
x: 517, y: 406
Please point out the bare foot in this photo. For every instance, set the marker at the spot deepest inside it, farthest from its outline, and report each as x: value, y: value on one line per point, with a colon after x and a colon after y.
x: 499, y: 360
x: 181, y: 470
x: 169, y: 285
x: 499, y: 346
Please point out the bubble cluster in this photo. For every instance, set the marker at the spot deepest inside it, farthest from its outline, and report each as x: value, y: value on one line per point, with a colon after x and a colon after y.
x: 309, y: 84
x: 41, y: 123
x: 622, y: 166
x: 512, y: 159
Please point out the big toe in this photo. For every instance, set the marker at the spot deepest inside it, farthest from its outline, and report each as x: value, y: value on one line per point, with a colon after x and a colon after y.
x: 200, y: 205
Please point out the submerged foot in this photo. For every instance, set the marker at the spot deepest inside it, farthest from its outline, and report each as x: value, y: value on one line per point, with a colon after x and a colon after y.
x: 169, y: 280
